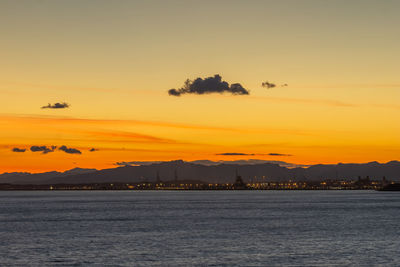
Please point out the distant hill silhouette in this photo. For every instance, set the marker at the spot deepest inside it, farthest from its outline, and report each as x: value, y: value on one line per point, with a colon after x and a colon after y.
x: 222, y: 173
x: 39, y: 178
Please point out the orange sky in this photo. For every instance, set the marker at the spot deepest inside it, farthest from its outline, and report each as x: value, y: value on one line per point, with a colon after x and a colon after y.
x: 114, y: 62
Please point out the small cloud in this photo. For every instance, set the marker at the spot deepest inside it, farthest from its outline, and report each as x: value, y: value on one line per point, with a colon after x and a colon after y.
x: 93, y: 149
x: 16, y: 149
x: 279, y: 155
x: 174, y: 92
x: 209, y: 85
x: 69, y: 150
x: 57, y: 105
x: 268, y: 85
x: 234, y: 154
x: 43, y: 149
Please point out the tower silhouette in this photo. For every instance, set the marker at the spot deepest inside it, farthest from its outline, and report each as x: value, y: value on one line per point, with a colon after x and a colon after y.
x: 158, y: 180
x: 239, y: 184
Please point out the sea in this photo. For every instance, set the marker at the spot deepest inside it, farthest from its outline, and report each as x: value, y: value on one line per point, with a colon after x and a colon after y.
x: 199, y: 228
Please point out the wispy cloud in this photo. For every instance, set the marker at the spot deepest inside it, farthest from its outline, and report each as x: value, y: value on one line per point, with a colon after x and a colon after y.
x: 325, y: 102
x: 209, y: 85
x: 213, y: 163
x: 252, y: 154
x: 79, y: 125
x: 136, y: 163
x: 279, y: 155
x: 235, y: 154
x: 117, y: 136
x: 391, y: 106
x: 68, y: 88
x: 85, y: 121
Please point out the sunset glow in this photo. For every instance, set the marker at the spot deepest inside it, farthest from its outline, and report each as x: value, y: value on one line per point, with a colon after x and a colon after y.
x: 336, y: 99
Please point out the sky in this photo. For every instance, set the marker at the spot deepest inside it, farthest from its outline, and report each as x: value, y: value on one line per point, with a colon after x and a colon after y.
x: 335, y: 65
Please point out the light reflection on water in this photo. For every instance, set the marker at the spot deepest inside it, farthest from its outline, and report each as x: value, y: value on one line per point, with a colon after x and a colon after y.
x: 205, y: 228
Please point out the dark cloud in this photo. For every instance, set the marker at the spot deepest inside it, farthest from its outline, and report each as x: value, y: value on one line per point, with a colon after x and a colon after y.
x: 69, y: 150
x: 235, y: 154
x: 209, y: 85
x: 43, y: 149
x: 268, y: 85
x: 93, y: 149
x: 174, y: 92
x: 278, y: 154
x: 16, y: 149
x: 57, y: 105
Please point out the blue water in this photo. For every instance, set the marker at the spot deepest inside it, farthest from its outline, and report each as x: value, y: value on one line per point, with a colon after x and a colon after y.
x: 203, y: 228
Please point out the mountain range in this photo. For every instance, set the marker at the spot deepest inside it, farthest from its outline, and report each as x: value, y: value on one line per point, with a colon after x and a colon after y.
x: 209, y: 172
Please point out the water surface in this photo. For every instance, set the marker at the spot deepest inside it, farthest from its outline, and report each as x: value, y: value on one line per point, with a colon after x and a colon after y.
x: 200, y: 228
